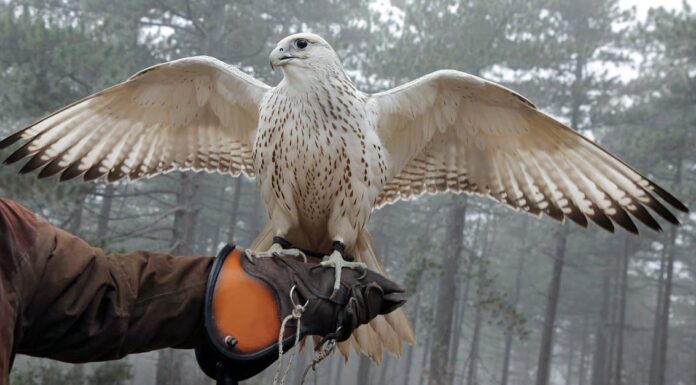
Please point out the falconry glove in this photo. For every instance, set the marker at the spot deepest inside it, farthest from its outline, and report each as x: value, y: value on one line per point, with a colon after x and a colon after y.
x: 248, y: 299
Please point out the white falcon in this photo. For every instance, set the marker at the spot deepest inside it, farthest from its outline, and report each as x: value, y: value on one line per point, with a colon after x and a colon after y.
x: 325, y: 154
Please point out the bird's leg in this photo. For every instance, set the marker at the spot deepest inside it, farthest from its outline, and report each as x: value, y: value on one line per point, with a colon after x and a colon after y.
x: 338, y: 262
x: 280, y: 247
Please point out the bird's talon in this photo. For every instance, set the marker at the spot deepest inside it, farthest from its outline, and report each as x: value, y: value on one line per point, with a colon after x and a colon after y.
x: 277, y: 251
x: 336, y: 261
x: 333, y: 294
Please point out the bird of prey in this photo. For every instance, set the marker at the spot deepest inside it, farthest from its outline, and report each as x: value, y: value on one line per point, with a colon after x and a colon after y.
x: 325, y: 154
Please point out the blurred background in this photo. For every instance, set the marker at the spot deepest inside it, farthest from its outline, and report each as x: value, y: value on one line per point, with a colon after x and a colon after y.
x: 535, y: 302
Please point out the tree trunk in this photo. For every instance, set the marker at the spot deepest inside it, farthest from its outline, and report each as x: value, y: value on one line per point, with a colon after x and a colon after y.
x: 658, y: 368
x: 458, y: 324
x: 256, y: 217
x: 330, y: 366
x: 582, y: 372
x: 442, y: 333
x: 364, y: 370
x: 656, y: 322
x: 621, y: 322
x: 425, y: 371
x: 234, y: 210
x: 384, y: 367
x: 220, y: 216
x: 169, y: 363
x: 658, y: 377
x: 462, y: 300
x: 183, y: 238
x: 546, y: 349
x: 75, y: 224
x: 105, y: 212
x: 569, y: 364
x: 522, y: 250
x: 611, y: 321
x: 339, y: 373
x: 599, y: 360
x: 472, y: 372
x: 186, y: 216
x: 303, y: 358
x: 411, y: 349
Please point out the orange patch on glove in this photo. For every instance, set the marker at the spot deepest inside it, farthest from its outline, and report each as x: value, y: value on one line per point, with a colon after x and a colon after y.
x: 244, y: 308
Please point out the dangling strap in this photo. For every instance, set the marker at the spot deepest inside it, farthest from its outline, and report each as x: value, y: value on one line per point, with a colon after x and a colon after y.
x: 296, y: 314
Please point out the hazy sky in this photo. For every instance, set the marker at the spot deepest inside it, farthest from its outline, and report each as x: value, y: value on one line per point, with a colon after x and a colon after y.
x: 643, y: 5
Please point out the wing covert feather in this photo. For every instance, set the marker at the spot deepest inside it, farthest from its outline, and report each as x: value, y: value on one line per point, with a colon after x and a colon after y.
x: 193, y: 113
x: 451, y: 131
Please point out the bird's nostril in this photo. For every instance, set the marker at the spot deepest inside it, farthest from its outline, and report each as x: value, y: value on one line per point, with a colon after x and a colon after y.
x: 280, y: 49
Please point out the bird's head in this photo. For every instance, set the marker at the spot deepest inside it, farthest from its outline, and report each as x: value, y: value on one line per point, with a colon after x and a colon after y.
x: 304, y: 54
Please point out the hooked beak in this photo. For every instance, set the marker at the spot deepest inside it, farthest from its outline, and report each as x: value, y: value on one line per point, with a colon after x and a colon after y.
x: 279, y: 57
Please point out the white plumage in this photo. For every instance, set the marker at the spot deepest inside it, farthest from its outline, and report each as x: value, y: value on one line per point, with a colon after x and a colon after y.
x: 325, y: 154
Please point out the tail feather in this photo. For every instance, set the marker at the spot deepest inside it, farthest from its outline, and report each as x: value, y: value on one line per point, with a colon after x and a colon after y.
x: 382, y: 332
x: 393, y: 327
x: 366, y: 341
x: 399, y: 323
x: 387, y: 335
x: 344, y: 348
x: 264, y: 240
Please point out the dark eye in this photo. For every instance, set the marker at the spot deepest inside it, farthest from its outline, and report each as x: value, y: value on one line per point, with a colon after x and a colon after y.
x: 301, y: 43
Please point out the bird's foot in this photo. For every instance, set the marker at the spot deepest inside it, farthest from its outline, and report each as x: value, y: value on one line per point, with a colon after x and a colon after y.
x: 279, y: 248
x: 338, y: 263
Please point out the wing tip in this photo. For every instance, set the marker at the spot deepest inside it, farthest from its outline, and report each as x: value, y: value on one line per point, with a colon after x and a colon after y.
x: 16, y: 156
x: 670, y: 217
x: 632, y: 228
x: 24, y: 171
x: 652, y: 224
x: 604, y: 222
x: 624, y: 220
x: 90, y: 176
x: 64, y: 178
x: 71, y: 172
x: 50, y: 170
x: 669, y: 198
x: 12, y: 139
x: 33, y: 164
x: 114, y: 176
x: 676, y: 203
x: 681, y: 207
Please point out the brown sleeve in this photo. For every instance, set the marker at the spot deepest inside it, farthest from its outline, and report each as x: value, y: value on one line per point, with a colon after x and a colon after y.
x: 80, y: 305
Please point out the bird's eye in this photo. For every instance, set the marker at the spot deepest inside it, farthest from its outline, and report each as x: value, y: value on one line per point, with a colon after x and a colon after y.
x: 301, y: 43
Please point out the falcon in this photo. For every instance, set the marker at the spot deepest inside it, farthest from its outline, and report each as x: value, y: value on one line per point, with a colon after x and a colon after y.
x: 325, y: 154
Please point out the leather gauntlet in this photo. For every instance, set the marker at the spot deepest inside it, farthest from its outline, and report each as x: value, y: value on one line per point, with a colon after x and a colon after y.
x: 247, y: 299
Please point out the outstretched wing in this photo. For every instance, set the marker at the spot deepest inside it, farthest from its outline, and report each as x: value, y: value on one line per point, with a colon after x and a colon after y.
x: 194, y: 113
x: 451, y: 131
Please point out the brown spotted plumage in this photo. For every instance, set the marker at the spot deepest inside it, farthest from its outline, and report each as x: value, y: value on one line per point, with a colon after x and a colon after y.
x: 325, y: 154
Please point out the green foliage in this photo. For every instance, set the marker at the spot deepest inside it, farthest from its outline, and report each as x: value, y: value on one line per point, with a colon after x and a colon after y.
x: 49, y: 63
x: 112, y: 373
x: 495, y: 302
x: 26, y: 376
x: 54, y: 373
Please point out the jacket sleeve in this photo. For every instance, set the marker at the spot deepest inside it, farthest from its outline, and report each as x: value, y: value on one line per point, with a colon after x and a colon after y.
x: 79, y: 304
